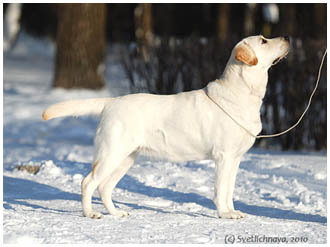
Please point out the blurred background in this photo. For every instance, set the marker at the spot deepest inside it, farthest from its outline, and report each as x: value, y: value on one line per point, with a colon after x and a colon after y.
x: 170, y: 48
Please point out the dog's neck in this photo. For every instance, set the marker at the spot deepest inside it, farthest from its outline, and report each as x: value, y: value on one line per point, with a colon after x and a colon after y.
x: 245, y: 79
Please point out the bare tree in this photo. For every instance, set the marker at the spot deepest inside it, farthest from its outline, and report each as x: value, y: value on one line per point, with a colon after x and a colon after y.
x: 143, y: 28
x: 249, y: 19
x: 320, y: 16
x: 223, y: 21
x: 80, y: 46
x: 289, y: 18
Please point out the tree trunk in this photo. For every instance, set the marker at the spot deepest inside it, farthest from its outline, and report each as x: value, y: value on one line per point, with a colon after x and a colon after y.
x: 80, y: 44
x: 320, y: 16
x: 288, y: 19
x: 249, y: 23
x: 223, y: 21
x: 143, y: 28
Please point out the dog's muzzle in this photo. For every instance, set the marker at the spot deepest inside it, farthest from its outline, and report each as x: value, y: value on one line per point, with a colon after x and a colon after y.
x: 286, y: 39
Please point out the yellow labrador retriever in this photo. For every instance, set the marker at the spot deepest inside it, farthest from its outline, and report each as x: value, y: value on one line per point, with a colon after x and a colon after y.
x: 194, y: 125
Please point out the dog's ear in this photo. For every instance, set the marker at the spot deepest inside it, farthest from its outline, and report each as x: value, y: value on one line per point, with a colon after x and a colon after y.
x: 245, y: 54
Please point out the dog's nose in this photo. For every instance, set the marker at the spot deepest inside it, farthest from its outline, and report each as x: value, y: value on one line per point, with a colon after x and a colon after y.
x: 287, y: 38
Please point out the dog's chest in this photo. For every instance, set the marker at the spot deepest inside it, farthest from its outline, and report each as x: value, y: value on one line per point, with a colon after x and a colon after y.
x: 246, y: 143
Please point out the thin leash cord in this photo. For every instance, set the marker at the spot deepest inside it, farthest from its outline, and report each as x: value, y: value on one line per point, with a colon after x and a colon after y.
x: 308, y: 105
x: 293, y: 126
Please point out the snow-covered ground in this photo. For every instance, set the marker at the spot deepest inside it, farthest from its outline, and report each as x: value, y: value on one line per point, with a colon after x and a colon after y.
x: 282, y: 193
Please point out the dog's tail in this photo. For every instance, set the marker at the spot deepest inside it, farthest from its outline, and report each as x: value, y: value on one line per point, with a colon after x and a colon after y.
x: 76, y: 108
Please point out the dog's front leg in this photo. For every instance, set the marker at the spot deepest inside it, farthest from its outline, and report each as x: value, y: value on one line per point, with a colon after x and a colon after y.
x: 231, y: 187
x: 225, y: 174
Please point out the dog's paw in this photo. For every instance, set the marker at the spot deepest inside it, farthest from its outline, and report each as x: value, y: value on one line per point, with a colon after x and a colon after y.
x: 120, y: 213
x: 240, y: 213
x: 94, y: 215
x: 235, y: 214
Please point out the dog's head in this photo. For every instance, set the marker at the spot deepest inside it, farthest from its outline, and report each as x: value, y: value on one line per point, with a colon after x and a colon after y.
x: 261, y: 52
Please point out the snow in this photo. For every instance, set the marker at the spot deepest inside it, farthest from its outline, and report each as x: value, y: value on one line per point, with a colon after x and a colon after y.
x: 283, y: 194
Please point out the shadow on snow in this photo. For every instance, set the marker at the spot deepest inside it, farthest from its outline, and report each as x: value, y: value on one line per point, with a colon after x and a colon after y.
x: 17, y: 191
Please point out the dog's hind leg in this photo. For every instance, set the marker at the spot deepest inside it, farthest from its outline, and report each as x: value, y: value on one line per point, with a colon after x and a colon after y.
x: 102, y: 169
x: 106, y: 187
x: 88, y: 186
x: 112, y: 147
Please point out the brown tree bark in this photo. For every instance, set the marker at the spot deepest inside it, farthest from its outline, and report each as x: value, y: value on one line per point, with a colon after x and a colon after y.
x: 289, y: 19
x: 80, y: 44
x: 249, y: 22
x: 320, y: 16
x: 223, y: 21
x: 143, y: 28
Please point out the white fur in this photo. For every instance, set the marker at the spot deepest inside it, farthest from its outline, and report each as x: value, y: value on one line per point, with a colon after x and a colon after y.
x: 76, y: 108
x: 180, y: 127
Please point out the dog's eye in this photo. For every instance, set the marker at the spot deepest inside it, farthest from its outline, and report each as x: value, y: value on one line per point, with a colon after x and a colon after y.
x: 263, y: 41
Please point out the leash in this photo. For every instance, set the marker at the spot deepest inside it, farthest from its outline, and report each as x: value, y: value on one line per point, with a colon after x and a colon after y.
x: 293, y: 126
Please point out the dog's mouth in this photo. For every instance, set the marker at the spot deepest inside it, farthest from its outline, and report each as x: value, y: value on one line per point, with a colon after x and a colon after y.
x: 279, y: 58
x: 276, y: 60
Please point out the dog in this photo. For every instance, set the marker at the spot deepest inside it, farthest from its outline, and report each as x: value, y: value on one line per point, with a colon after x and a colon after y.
x: 196, y: 125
